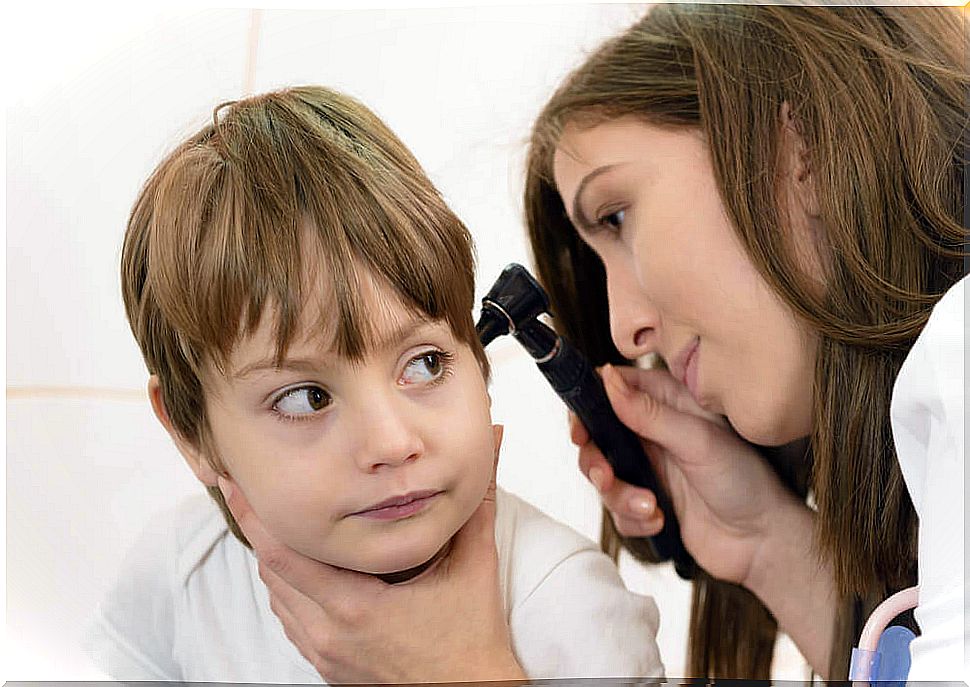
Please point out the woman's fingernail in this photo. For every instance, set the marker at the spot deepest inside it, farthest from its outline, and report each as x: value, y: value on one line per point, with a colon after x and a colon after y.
x: 642, y: 505
x: 224, y: 487
x: 597, y: 477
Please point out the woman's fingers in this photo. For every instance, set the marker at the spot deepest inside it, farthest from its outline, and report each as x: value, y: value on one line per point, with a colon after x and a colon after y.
x: 634, y: 509
x: 629, y: 527
x: 653, y: 419
x: 578, y: 433
x: 306, y: 575
x: 664, y: 388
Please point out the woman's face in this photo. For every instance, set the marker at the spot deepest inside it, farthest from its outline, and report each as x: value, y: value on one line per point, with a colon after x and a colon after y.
x: 679, y: 282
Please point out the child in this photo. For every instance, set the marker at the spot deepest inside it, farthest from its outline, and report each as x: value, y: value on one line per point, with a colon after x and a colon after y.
x: 302, y: 297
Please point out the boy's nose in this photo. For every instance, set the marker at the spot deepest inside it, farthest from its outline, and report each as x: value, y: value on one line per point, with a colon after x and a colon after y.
x: 390, y: 437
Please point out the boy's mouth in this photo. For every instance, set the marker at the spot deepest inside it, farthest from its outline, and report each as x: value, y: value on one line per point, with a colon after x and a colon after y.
x: 398, y: 507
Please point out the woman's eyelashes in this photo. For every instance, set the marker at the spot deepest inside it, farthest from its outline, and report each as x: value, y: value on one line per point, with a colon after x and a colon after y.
x: 612, y: 221
x: 607, y: 220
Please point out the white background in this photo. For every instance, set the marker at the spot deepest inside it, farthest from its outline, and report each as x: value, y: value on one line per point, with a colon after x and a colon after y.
x: 96, y: 98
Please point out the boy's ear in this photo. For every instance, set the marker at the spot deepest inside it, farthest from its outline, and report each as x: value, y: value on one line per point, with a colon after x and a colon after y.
x: 190, y: 452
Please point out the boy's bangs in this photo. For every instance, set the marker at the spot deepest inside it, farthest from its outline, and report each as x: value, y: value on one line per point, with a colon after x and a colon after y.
x: 399, y: 234
x: 277, y: 207
x: 294, y: 215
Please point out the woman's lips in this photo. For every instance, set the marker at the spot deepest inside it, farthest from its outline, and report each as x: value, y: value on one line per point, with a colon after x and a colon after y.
x: 690, y: 372
x: 399, y: 507
x: 684, y: 367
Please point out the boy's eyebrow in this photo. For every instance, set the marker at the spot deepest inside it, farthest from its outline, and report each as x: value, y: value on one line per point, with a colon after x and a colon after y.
x: 290, y: 364
x: 307, y: 365
x: 400, y: 333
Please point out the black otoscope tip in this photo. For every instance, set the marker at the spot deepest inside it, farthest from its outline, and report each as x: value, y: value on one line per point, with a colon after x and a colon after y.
x: 491, y: 325
x: 518, y: 295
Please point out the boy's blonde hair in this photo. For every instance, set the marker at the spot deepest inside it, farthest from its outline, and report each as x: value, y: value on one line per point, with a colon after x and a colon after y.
x: 229, y: 223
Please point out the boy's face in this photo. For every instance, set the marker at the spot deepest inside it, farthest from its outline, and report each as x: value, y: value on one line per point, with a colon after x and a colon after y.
x: 371, y: 466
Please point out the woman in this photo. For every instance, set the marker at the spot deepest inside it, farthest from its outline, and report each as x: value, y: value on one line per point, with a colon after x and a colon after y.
x: 775, y: 194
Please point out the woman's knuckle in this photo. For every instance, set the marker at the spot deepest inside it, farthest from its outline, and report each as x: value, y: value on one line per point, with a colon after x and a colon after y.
x: 347, y: 610
x: 275, y: 605
x: 321, y: 638
x: 273, y: 559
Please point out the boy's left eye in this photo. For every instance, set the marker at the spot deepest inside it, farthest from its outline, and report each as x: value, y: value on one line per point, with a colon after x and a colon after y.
x: 426, y: 367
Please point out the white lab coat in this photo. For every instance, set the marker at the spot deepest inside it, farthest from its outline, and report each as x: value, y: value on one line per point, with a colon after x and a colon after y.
x: 928, y: 421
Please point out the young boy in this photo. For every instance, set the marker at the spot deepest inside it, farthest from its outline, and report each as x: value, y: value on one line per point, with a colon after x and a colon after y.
x: 302, y: 297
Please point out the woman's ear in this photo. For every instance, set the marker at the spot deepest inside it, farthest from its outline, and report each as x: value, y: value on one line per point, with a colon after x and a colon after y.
x: 797, y: 165
x: 799, y: 197
x: 192, y: 453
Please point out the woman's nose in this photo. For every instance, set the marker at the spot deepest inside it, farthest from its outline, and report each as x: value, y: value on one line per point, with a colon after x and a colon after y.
x: 633, y: 320
x: 390, y: 433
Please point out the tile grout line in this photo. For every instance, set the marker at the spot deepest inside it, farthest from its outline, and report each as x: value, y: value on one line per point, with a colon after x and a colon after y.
x: 76, y: 392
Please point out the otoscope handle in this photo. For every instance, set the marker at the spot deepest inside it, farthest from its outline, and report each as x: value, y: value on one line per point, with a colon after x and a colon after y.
x: 580, y: 387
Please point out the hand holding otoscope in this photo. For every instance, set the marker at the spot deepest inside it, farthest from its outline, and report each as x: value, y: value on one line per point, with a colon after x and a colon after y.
x: 512, y: 306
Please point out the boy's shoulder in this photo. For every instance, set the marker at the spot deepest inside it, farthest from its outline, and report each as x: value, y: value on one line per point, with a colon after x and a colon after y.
x: 531, y: 544
x: 518, y: 520
x: 198, y: 526
x: 569, y: 613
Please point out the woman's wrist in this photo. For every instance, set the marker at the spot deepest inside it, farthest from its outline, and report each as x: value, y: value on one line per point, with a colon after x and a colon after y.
x: 797, y: 585
x: 787, y: 533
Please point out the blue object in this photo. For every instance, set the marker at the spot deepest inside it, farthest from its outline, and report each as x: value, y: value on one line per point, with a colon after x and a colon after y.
x: 893, y: 650
x: 889, y: 662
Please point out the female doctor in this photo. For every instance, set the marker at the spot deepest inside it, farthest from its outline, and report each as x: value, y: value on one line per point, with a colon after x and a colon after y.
x: 769, y: 200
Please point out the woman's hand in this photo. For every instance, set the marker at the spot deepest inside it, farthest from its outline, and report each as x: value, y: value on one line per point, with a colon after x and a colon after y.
x: 725, y: 495
x: 446, y: 625
x: 736, y: 517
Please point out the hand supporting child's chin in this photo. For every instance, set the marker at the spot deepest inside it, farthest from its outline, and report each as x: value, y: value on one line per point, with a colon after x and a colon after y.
x: 446, y: 625
x: 413, y: 573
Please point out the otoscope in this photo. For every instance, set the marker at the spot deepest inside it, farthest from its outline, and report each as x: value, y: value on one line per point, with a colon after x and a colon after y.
x: 512, y: 306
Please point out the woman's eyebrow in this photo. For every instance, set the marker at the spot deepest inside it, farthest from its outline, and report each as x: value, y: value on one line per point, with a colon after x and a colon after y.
x: 577, y: 212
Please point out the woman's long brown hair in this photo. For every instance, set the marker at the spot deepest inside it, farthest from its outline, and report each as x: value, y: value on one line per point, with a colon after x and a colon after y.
x: 880, y: 99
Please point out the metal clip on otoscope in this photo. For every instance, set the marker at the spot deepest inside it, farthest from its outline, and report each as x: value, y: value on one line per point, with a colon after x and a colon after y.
x: 512, y: 307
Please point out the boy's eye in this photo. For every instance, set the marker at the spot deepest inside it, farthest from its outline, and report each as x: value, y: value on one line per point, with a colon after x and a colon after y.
x: 426, y: 367
x: 303, y: 400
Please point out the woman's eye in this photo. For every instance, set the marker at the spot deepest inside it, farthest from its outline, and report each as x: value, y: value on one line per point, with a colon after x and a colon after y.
x: 613, y: 219
x: 424, y: 368
x: 304, y: 400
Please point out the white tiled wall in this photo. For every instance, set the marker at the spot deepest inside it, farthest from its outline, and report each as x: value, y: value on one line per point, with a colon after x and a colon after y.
x: 86, y: 463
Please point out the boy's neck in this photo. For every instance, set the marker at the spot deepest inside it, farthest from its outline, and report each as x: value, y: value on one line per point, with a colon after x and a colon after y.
x: 409, y: 574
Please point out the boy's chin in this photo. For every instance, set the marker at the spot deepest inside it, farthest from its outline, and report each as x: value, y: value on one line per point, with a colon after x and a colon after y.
x: 408, y: 574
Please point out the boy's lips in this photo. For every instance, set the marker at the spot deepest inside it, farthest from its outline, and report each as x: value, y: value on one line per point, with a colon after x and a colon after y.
x: 399, y: 506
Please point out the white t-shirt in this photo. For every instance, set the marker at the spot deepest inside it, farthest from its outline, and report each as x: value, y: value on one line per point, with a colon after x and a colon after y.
x: 928, y: 421
x: 189, y: 605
